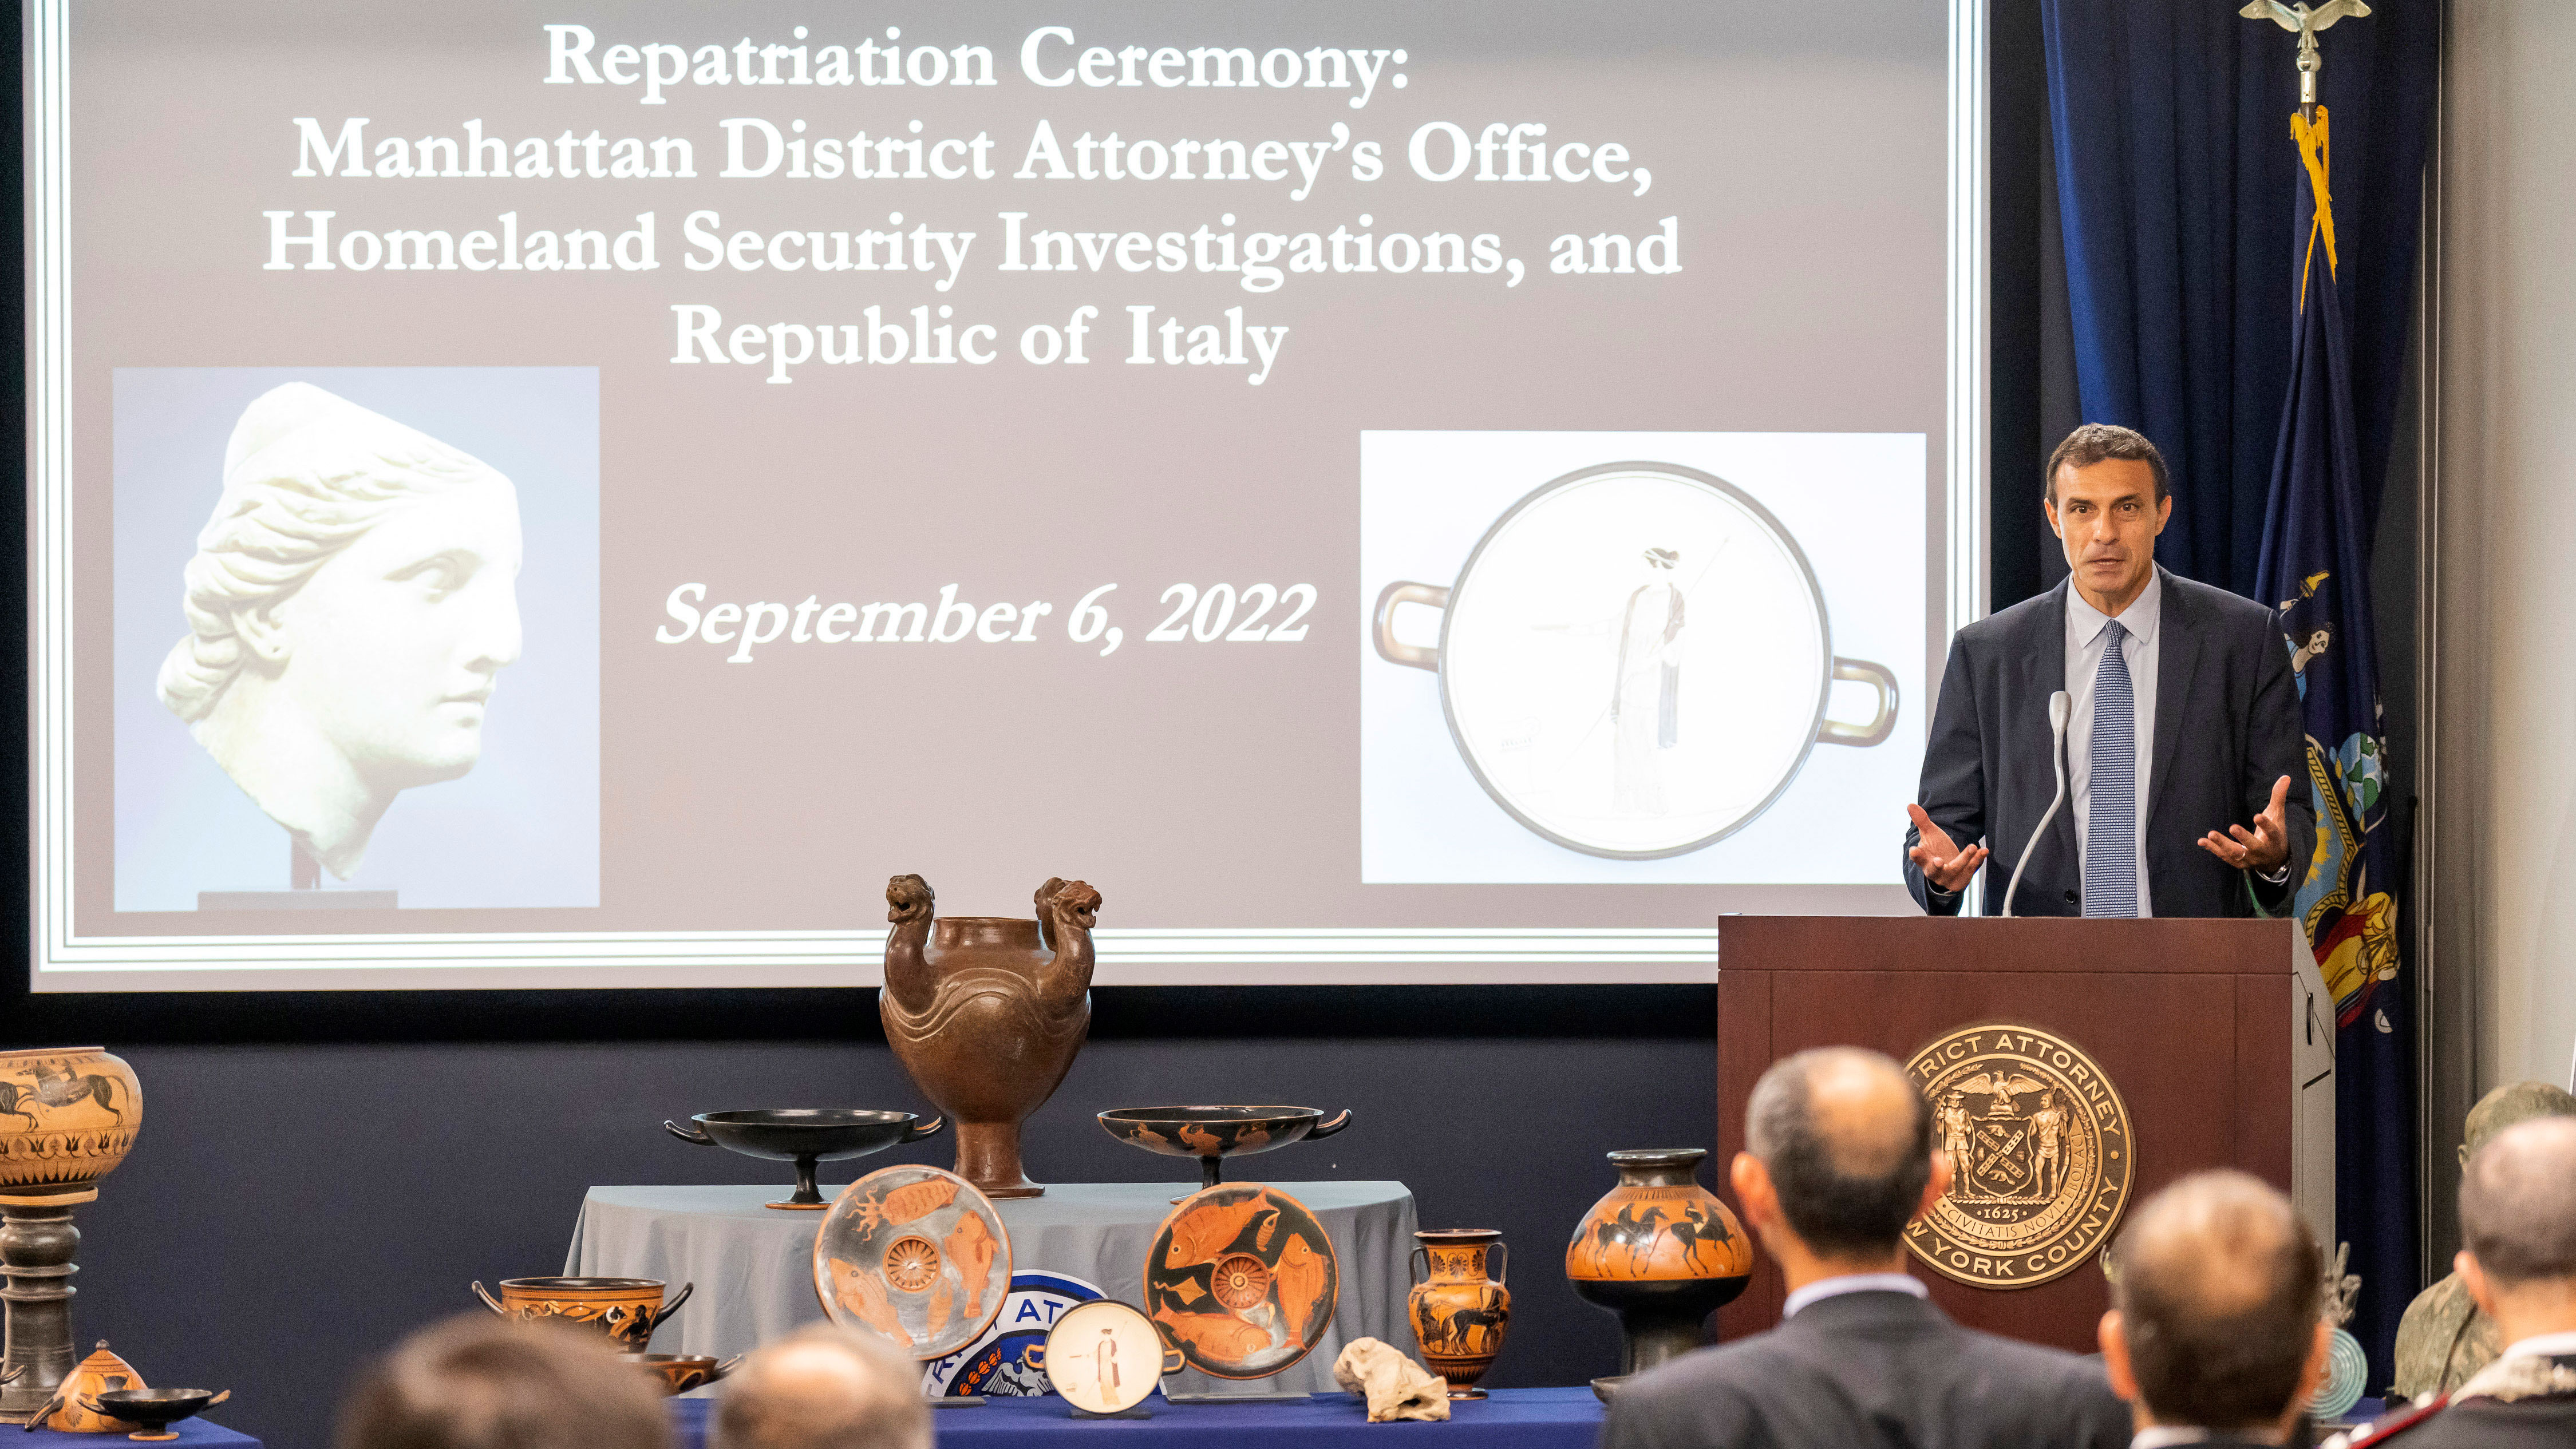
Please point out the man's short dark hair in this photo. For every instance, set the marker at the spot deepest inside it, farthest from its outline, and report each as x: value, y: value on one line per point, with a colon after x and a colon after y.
x: 2094, y: 442
x: 2219, y: 1293
x: 1848, y: 1187
x: 481, y: 1382
x: 2518, y: 1203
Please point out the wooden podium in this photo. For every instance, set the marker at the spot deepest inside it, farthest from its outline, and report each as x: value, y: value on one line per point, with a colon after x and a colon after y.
x: 2219, y: 1036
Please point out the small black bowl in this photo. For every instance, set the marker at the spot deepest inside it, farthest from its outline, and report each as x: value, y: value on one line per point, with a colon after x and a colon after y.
x: 805, y: 1136
x: 155, y: 1409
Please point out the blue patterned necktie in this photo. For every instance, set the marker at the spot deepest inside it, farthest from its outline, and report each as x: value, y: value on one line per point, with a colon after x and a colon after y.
x: 2111, y: 817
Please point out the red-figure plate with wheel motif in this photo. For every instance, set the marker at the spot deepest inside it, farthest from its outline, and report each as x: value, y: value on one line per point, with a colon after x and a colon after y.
x: 1242, y: 1280
x: 916, y: 1256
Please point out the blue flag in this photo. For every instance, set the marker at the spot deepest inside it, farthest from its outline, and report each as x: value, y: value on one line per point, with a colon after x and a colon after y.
x: 2315, y: 570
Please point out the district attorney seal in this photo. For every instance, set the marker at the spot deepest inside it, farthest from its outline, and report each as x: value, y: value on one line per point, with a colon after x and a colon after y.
x: 2040, y: 1155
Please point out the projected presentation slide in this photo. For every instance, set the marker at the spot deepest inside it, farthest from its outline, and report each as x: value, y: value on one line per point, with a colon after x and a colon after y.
x: 1388, y: 491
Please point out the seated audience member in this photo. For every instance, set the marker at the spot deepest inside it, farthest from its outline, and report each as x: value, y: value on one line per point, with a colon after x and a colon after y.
x: 2518, y: 1222
x: 1840, y: 1159
x: 2445, y: 1339
x: 2216, y: 1332
x: 481, y: 1382
x: 823, y: 1387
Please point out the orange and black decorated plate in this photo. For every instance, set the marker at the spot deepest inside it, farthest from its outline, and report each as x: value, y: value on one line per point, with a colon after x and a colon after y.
x: 1242, y: 1280
x: 916, y: 1256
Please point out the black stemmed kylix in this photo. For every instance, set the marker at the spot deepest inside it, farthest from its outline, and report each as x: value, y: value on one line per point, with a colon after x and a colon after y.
x: 155, y: 1409
x: 805, y: 1136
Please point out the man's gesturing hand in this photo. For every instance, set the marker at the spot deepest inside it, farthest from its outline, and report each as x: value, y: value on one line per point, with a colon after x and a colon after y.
x: 2263, y: 848
x: 1945, y: 865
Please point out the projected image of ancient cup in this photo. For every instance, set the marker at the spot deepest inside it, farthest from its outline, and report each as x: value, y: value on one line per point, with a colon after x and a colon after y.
x: 1636, y: 660
x: 350, y: 607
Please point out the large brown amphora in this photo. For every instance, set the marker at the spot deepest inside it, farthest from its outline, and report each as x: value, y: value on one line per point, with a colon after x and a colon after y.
x: 986, y: 1013
x: 1660, y: 1251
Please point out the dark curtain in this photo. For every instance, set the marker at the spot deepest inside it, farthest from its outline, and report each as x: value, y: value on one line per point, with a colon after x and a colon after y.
x: 2178, y: 196
x: 2183, y: 215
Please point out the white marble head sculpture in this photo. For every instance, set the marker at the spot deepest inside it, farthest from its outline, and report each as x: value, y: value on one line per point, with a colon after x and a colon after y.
x: 349, y: 606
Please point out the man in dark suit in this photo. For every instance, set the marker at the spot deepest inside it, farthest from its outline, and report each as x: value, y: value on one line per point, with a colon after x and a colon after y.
x: 2215, y: 1335
x: 1840, y: 1159
x: 2518, y: 1224
x: 2183, y: 741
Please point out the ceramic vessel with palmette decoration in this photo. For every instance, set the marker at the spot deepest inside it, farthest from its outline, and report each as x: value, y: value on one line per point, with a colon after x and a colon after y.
x: 1242, y: 1279
x: 1212, y: 1134
x: 916, y: 1256
x: 74, y: 1406
x: 1460, y: 1308
x: 1660, y: 1251
x: 986, y: 1013
x: 626, y: 1310
x: 68, y: 1116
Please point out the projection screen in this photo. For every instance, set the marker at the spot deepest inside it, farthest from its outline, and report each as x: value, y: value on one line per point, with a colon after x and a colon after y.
x: 1386, y: 492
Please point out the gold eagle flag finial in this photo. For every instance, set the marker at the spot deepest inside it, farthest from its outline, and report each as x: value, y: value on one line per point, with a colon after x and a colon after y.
x: 2305, y: 21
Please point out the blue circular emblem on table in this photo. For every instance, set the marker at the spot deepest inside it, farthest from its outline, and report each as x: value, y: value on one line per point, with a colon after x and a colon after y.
x: 996, y: 1364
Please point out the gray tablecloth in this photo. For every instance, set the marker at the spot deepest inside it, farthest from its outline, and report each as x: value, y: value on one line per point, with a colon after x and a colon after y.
x: 755, y: 1271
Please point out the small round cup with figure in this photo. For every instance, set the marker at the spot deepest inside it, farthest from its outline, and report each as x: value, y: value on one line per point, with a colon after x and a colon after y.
x: 1105, y: 1357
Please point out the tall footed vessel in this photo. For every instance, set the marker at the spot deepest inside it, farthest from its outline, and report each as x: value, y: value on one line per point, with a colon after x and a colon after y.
x: 68, y: 1116
x: 986, y: 1013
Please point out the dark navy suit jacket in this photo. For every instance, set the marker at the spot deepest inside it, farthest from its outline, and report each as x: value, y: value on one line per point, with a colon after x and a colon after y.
x: 2227, y: 727
x: 1870, y: 1371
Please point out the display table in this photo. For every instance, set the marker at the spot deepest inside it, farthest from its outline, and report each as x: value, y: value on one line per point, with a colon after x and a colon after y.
x: 755, y: 1272
x: 1507, y: 1419
x: 193, y: 1434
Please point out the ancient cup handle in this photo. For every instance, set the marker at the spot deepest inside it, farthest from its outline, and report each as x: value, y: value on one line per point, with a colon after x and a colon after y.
x: 687, y: 1134
x: 219, y: 1398
x: 672, y: 1305
x: 1882, y: 724
x: 1329, y: 1126
x: 1382, y: 626
x: 728, y: 1366
x: 1417, y: 1266
x: 1172, y: 1360
x: 52, y: 1406
x: 1498, y: 1260
x: 919, y: 1130
x: 95, y: 1407
x: 488, y: 1300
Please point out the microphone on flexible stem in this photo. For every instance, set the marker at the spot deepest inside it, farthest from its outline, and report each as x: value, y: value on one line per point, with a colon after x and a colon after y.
x: 2059, y: 707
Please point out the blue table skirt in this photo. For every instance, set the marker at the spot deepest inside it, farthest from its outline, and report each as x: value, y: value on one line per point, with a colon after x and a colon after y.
x: 193, y: 1434
x: 1508, y: 1419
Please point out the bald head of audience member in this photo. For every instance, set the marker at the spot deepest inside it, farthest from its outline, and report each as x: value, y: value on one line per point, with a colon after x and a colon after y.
x: 1838, y: 1160
x: 823, y: 1387
x: 481, y: 1382
x: 2518, y: 1228
x: 2216, y: 1319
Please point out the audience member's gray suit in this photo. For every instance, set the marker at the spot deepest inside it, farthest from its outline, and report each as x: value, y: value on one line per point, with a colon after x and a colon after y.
x: 1866, y: 1370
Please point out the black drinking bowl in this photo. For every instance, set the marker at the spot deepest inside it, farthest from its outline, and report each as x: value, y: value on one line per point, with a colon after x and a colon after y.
x: 155, y: 1409
x: 805, y: 1136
